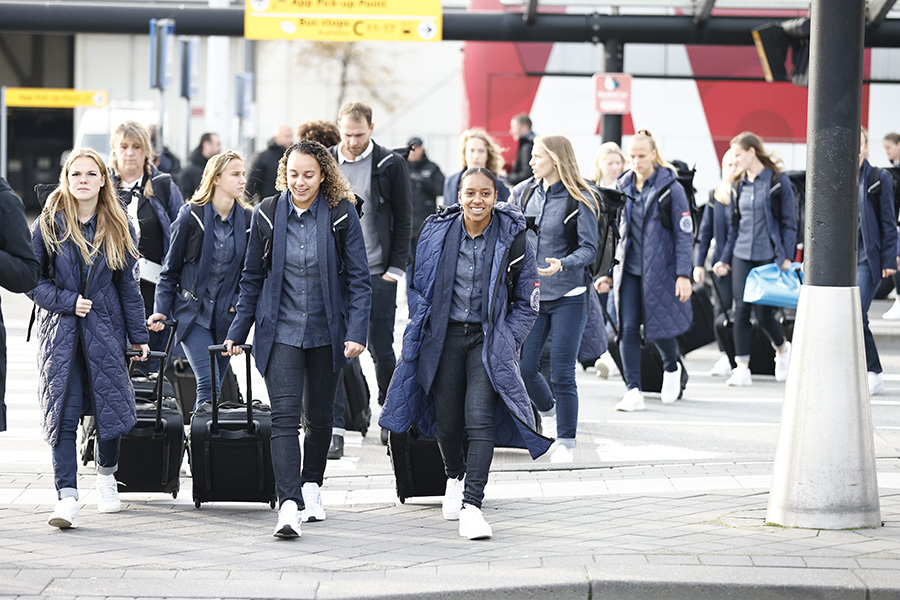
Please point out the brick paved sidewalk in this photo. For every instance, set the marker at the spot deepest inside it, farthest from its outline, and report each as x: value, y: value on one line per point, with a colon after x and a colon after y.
x: 706, y: 541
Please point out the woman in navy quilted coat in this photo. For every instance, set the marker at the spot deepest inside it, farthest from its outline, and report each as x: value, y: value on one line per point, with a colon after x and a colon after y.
x: 459, y: 368
x: 763, y: 230
x: 652, y: 278
x: 311, y: 311
x: 89, y: 313
x: 198, y: 285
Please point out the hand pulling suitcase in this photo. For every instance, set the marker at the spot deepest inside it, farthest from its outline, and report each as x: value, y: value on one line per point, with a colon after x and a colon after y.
x: 651, y: 363
x: 151, y: 452
x: 417, y: 463
x: 231, y: 459
x: 145, y: 390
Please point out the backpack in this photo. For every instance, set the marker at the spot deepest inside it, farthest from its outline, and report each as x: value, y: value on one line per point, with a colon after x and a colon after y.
x: 610, y: 202
x: 685, y: 176
x: 266, y: 224
x: 194, y: 245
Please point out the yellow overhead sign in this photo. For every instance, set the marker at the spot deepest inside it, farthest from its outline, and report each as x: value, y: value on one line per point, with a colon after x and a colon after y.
x: 54, y: 97
x: 344, y: 20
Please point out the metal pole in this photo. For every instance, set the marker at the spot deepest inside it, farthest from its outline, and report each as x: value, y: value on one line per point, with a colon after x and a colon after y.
x: 611, y: 125
x: 3, y: 157
x: 824, y: 473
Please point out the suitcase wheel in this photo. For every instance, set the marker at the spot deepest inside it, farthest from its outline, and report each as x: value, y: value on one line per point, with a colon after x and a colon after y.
x: 196, y: 504
x: 174, y: 495
x: 272, y: 504
x: 402, y: 500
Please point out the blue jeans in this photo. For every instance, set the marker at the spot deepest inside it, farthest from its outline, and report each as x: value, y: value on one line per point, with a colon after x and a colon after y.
x: 465, y: 403
x: 381, y: 342
x: 867, y: 289
x: 78, y: 402
x: 631, y: 314
x: 301, y: 385
x: 196, y: 346
x: 765, y: 315
x: 563, y: 320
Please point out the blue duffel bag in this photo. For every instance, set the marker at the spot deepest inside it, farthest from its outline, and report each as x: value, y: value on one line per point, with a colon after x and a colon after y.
x: 769, y: 285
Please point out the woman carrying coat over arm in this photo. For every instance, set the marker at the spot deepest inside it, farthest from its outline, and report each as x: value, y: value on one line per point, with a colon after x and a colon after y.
x: 763, y: 230
x: 564, y: 248
x: 310, y: 301
x: 198, y: 285
x: 877, y: 250
x: 652, y: 280
x: 90, y: 313
x: 458, y: 376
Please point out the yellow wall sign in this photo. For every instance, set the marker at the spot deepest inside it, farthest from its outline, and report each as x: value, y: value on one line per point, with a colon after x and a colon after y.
x: 344, y: 20
x: 54, y: 97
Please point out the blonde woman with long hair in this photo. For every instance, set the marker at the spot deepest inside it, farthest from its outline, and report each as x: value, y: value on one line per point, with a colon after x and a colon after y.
x: 477, y: 149
x: 198, y: 284
x: 652, y: 278
x: 564, y: 249
x: 609, y: 163
x: 89, y: 313
x: 714, y: 226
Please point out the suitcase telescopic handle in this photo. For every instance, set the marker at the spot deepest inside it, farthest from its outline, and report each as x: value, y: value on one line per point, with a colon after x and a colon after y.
x: 161, y: 357
x: 213, y: 351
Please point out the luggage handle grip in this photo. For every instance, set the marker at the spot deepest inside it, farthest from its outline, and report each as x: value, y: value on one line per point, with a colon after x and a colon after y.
x: 162, y: 357
x: 218, y: 349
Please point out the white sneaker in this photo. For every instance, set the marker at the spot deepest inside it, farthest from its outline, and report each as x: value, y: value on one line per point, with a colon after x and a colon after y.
x: 312, y: 499
x: 606, y: 366
x: 782, y: 359
x: 722, y: 368
x: 472, y: 524
x: 562, y: 454
x: 65, y: 514
x: 740, y: 377
x: 548, y: 425
x: 876, y: 382
x: 893, y: 313
x: 671, y: 386
x: 288, y: 521
x: 108, y: 488
x: 632, y: 400
x: 453, y: 497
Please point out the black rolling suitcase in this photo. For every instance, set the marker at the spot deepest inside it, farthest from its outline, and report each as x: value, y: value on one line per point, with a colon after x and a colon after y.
x: 651, y: 363
x: 417, y: 463
x: 702, y: 331
x: 357, y: 410
x: 231, y: 458
x: 151, y: 452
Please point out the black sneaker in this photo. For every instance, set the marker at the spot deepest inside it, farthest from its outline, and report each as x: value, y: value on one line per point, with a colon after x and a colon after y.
x: 336, y: 450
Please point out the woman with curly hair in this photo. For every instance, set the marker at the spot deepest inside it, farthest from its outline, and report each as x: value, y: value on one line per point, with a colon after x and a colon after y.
x: 310, y: 302
x: 89, y: 313
x: 198, y: 285
x: 477, y: 149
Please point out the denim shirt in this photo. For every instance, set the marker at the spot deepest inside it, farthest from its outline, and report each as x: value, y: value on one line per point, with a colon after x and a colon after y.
x: 223, y: 253
x: 467, y: 305
x: 549, y: 208
x: 301, y: 315
x: 753, y: 241
x: 634, y: 255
